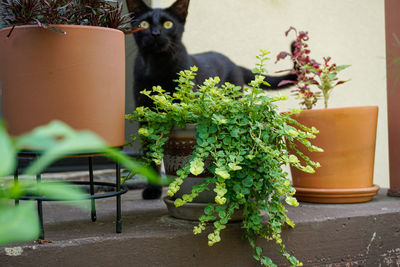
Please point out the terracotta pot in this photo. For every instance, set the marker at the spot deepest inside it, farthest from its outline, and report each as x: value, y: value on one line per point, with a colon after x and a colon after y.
x: 348, y: 137
x: 77, y: 77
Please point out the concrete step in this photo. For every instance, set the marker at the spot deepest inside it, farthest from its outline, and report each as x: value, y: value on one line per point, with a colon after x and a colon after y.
x: 366, y: 234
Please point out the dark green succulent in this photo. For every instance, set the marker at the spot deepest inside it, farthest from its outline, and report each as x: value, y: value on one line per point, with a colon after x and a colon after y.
x: 103, y: 13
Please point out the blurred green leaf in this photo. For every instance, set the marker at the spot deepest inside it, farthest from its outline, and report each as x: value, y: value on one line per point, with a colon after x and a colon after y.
x: 44, y: 137
x: 332, y: 77
x: 52, y: 141
x: 57, y: 139
x: 79, y: 142
x: 342, y: 67
x: 57, y: 190
x: 310, y: 68
x: 7, y: 153
x: 19, y: 223
x: 9, y: 190
x: 130, y: 164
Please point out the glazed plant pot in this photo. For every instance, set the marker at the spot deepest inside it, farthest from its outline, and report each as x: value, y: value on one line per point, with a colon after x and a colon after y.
x: 177, y: 152
x: 348, y: 137
x: 77, y: 77
x: 179, y: 147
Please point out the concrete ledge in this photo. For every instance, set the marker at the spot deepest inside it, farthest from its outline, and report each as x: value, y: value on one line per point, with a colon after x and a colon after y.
x: 365, y: 234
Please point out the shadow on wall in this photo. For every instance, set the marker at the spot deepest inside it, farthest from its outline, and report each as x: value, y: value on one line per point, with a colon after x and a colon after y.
x: 130, y: 52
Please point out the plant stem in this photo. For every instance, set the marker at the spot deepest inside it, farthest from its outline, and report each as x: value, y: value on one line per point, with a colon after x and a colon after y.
x: 326, y: 98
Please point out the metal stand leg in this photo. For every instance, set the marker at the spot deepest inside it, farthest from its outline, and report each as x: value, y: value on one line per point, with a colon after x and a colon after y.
x: 118, y: 183
x: 93, y: 204
x: 16, y: 182
x: 40, y: 210
x: 119, y: 190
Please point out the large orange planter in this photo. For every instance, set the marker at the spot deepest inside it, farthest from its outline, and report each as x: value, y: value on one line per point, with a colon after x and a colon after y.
x: 77, y: 77
x: 348, y: 137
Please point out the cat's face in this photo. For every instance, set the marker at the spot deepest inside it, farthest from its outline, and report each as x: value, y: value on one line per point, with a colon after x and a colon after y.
x: 163, y: 28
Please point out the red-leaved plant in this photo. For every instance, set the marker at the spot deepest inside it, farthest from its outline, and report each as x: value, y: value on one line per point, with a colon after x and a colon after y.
x: 309, y: 72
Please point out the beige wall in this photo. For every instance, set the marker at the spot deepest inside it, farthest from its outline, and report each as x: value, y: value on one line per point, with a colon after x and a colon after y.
x: 351, y: 32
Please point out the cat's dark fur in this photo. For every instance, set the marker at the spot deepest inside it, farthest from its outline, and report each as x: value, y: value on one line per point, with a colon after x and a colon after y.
x: 162, y: 55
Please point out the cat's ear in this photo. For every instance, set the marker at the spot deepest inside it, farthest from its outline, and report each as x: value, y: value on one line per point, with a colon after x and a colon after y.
x: 137, y: 6
x: 180, y: 9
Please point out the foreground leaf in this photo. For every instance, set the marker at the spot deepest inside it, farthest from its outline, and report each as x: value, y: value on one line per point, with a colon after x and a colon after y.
x: 18, y: 223
x: 7, y: 153
x: 127, y: 162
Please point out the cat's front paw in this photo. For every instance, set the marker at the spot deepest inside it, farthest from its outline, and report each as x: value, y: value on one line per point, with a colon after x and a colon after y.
x: 152, y: 192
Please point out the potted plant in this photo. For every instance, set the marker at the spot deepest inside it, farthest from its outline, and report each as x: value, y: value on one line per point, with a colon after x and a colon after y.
x: 347, y: 135
x: 240, y: 143
x: 74, y: 73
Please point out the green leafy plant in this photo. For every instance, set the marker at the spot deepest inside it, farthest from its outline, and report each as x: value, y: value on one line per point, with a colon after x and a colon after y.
x: 310, y: 73
x: 103, y: 13
x: 53, y: 141
x: 245, y: 137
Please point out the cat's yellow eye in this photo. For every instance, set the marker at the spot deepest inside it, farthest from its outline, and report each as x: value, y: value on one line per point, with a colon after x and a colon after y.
x: 144, y: 24
x: 168, y: 24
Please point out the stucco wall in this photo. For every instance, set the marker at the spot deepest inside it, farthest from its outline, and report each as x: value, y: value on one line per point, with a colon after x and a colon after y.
x: 351, y: 32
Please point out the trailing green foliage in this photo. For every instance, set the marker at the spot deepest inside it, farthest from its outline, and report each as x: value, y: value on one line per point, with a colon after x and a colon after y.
x: 246, y: 139
x: 55, y: 140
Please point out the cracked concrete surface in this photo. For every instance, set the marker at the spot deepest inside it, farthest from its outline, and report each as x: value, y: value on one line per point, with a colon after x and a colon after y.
x: 366, y: 234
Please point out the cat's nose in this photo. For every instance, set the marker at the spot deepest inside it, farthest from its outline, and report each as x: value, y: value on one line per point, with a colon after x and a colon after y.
x: 156, y: 32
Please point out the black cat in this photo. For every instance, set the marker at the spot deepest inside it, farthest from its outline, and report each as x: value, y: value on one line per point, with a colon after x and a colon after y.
x: 162, y: 55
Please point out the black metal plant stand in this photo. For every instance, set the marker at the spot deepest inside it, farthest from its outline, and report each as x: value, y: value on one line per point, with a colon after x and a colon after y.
x: 119, y: 190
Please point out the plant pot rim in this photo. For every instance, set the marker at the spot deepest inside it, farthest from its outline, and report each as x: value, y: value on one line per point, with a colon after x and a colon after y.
x: 61, y: 26
x: 336, y: 195
x: 340, y: 108
x: 332, y: 192
x: 188, y: 131
x: 189, y: 126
